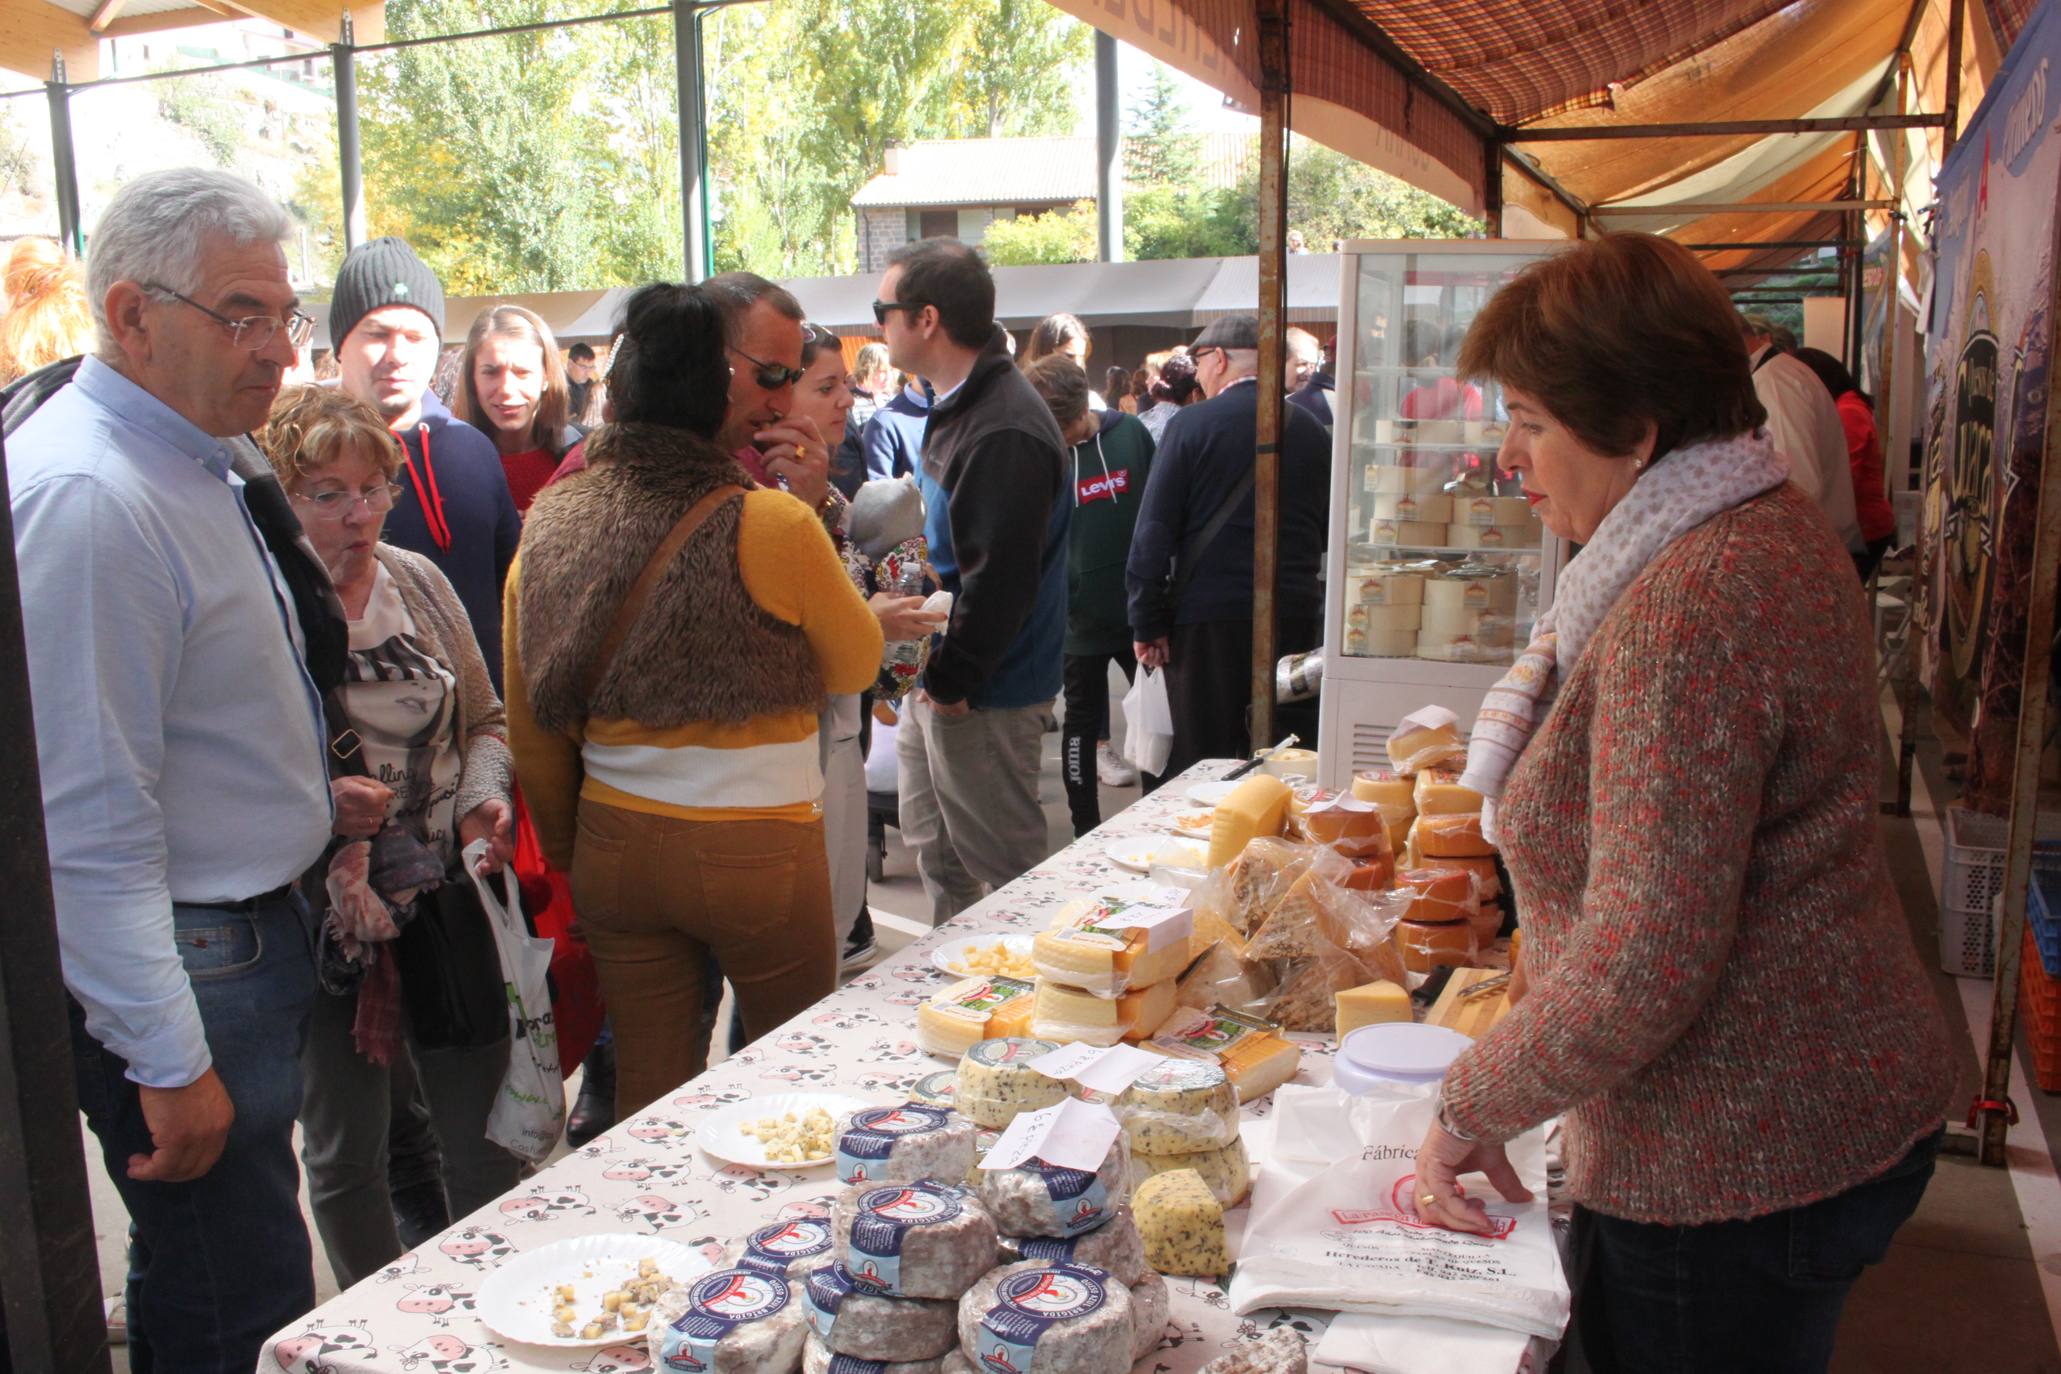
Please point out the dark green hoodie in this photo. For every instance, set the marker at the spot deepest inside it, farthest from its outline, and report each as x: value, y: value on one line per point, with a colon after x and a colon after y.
x: 1108, y: 475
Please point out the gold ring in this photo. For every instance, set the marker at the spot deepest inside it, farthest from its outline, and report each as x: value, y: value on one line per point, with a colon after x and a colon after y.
x: 1423, y: 1198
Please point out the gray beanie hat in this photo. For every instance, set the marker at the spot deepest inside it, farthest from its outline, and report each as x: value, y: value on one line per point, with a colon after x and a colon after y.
x: 378, y: 273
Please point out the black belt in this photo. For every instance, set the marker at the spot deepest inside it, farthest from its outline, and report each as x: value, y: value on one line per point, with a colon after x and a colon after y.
x: 263, y: 899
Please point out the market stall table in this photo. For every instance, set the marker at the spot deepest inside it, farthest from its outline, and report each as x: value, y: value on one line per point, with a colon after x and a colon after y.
x: 648, y: 1177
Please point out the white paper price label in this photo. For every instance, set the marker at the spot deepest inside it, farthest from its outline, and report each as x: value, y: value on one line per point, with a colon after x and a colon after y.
x: 1108, y: 1070
x: 1070, y: 1133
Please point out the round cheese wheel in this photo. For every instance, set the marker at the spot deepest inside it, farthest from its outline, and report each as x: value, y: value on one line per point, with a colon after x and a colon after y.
x: 1422, y: 534
x: 1483, y: 511
x: 903, y: 1144
x: 913, y: 1240
x: 1227, y: 1172
x: 996, y: 1082
x: 731, y: 1321
x: 1376, y: 587
x: 1058, y: 1319
x: 1492, y: 536
x: 1393, y: 479
x: 1381, y: 643
x: 1115, y: 1246
x: 1385, y: 789
x: 935, y: 1089
x: 1463, y: 648
x: 1486, y: 626
x: 1437, y: 837
x: 1362, y: 616
x: 789, y: 1249
x: 1442, y: 894
x: 872, y: 1326
x: 1434, y: 506
x: 1426, y: 945
x: 1179, y: 1107
x: 1040, y: 1199
x: 1498, y: 593
x: 818, y: 1358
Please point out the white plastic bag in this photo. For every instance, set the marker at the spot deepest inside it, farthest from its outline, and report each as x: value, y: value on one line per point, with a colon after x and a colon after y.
x: 1148, y: 722
x: 529, y: 1112
x: 1334, y: 1223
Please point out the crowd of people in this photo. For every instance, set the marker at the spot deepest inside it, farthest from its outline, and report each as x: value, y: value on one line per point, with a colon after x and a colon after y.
x: 304, y: 650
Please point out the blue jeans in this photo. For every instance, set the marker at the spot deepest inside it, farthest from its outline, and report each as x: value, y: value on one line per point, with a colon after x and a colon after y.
x: 1762, y: 1295
x: 218, y: 1264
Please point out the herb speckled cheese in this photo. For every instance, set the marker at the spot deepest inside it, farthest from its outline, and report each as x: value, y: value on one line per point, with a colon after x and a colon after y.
x: 1225, y: 1172
x: 996, y: 1082
x: 1183, y: 1225
x: 1178, y: 1108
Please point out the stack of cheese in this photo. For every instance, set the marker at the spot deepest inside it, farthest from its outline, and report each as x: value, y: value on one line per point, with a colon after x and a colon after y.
x: 1446, y: 863
x: 1100, y: 981
x: 1183, y: 1114
x: 1469, y: 616
x: 1480, y: 520
x: 972, y: 1010
x: 1384, y: 604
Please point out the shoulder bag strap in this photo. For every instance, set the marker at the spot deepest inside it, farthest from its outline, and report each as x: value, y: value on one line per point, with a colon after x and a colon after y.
x: 1189, y: 559
x: 640, y: 590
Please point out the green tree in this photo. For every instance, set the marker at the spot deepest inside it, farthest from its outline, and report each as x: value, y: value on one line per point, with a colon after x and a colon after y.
x: 1160, y: 143
x: 1332, y: 196
x: 17, y: 157
x: 193, y: 104
x: 1068, y: 235
x: 1015, y: 77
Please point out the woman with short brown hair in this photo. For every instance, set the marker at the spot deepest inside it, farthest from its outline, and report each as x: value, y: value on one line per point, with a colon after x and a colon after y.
x: 1725, y: 1007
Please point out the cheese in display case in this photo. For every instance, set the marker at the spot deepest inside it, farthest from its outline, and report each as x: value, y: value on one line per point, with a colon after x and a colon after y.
x: 1423, y: 514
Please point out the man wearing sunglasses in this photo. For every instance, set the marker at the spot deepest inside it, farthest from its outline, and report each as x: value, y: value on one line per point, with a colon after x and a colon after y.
x: 777, y: 447
x: 180, y: 738
x: 993, y: 472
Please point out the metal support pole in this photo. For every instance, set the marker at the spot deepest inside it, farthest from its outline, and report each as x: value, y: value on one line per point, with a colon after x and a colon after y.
x: 49, y: 1267
x: 1109, y: 169
x: 1892, y: 419
x: 687, y: 80
x: 2025, y: 775
x: 1856, y: 313
x: 1273, y: 275
x: 343, y: 61
x: 64, y: 160
x: 1492, y: 188
x: 1957, y: 19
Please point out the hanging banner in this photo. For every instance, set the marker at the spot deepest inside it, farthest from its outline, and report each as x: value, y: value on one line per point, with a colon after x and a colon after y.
x: 1989, y: 340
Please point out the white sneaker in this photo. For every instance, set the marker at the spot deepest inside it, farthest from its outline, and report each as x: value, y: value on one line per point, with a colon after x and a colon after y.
x: 1111, y: 767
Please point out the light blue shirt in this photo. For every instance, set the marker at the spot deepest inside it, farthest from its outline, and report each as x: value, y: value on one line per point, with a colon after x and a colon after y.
x: 177, y: 729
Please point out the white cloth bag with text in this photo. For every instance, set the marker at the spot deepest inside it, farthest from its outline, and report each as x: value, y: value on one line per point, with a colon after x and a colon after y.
x: 1148, y: 722
x: 1334, y: 1222
x: 528, y: 1115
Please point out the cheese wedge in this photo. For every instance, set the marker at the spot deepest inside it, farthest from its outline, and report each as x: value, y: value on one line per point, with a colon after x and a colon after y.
x: 1372, y: 1004
x: 1450, y: 836
x: 1182, y: 1224
x: 1069, y: 1014
x: 1259, y: 878
x: 1256, y: 808
x: 1253, y: 1053
x: 1218, y: 975
x: 1439, y: 793
x: 1417, y: 747
x: 972, y: 1010
x: 1107, y: 962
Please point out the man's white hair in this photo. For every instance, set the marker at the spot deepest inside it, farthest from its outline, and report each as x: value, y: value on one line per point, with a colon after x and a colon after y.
x: 154, y: 229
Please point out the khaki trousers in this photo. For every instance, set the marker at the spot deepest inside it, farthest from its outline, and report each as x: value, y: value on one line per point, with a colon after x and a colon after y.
x: 658, y: 897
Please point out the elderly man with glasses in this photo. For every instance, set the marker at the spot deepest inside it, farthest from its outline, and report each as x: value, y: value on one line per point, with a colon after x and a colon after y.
x: 180, y: 633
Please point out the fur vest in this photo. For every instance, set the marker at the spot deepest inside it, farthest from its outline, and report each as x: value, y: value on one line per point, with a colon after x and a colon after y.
x: 701, y: 650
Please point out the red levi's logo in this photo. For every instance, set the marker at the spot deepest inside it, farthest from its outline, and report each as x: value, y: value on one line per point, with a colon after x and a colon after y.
x: 1106, y: 488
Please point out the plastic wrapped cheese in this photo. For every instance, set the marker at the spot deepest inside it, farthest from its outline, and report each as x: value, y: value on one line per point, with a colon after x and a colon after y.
x: 818, y: 1358
x: 1439, y: 793
x: 1252, y: 1053
x: 1220, y: 976
x: 1226, y: 1172
x: 1427, y: 945
x: 1525, y: 536
x: 1415, y: 534
x: 1377, y: 586
x: 1484, y: 511
x: 996, y: 1082
x: 1354, y: 827
x: 915, y: 1240
x: 1450, y: 836
x: 1040, y: 1199
x: 1440, y: 894
x: 972, y: 1010
x: 786, y: 1249
x: 1435, y: 507
x: 1452, y: 592
x: 1081, y: 951
x: 849, y: 1320
x: 1115, y: 1245
x: 1392, y: 479
x: 903, y: 1144
x: 1179, y: 1107
x: 1031, y: 1318
x: 730, y: 1321
x: 1069, y: 1014
x: 1426, y: 739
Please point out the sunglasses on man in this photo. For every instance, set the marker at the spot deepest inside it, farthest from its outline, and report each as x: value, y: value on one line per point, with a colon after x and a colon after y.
x: 881, y: 308
x: 770, y: 376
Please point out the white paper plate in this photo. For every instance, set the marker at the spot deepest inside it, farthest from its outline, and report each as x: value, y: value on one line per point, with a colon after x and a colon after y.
x: 1210, y: 793
x: 516, y: 1301
x: 950, y: 956
x: 722, y: 1135
x: 1141, y: 853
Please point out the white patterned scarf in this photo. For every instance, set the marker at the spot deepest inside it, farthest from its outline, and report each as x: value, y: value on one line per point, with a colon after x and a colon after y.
x: 1680, y: 492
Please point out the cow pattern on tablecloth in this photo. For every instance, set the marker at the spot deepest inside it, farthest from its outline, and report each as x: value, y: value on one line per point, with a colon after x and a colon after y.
x: 647, y: 1177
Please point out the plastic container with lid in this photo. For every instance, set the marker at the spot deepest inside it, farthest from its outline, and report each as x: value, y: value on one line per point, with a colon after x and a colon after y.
x: 1395, y: 1052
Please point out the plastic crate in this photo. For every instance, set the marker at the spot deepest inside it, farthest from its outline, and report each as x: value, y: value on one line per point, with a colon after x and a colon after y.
x: 2043, y: 919
x: 2039, y: 1001
x: 1973, y: 879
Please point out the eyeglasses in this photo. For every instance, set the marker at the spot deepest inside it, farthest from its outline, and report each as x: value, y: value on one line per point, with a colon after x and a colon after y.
x: 770, y: 376
x: 252, y: 332
x: 1196, y: 355
x: 881, y: 308
x: 335, y: 505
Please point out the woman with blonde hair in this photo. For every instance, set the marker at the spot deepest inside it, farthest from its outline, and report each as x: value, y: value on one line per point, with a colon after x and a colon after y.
x: 422, y: 769
x: 48, y: 316
x: 512, y: 388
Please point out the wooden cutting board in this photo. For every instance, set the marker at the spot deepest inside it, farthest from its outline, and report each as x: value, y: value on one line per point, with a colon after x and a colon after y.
x: 1474, y: 1015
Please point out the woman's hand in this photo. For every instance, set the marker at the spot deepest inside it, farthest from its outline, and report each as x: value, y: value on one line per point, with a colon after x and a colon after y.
x: 492, y: 820
x: 1441, y: 1159
x: 902, y: 618
x: 360, y: 806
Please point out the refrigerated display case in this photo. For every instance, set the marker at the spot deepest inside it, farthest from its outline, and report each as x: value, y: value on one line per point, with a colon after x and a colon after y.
x: 1436, y: 567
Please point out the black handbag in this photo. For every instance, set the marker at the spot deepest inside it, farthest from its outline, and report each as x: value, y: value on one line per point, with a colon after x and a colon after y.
x: 450, y: 970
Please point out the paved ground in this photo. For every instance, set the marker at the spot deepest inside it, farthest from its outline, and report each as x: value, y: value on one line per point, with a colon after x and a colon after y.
x: 1967, y: 1285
